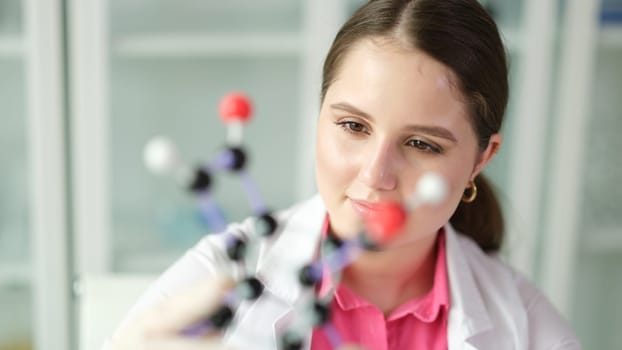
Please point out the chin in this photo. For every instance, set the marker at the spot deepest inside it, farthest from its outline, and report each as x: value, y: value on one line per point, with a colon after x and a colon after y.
x: 344, y: 229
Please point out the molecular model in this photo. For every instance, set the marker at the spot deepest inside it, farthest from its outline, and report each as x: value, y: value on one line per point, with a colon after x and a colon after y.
x: 235, y: 110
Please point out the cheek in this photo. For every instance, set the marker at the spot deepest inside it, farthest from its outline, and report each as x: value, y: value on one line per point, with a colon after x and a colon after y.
x: 455, y: 172
x: 427, y: 220
x: 333, y: 178
x: 460, y: 173
x: 456, y: 177
x: 331, y: 169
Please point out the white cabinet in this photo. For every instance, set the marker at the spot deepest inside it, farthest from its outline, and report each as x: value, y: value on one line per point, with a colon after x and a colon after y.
x: 582, y: 252
x: 14, y: 229
x: 34, y: 268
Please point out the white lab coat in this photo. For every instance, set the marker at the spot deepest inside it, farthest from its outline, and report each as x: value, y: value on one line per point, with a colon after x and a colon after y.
x: 492, y: 306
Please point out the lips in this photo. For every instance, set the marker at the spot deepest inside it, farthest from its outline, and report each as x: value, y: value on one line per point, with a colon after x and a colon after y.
x: 366, y: 210
x: 383, y: 220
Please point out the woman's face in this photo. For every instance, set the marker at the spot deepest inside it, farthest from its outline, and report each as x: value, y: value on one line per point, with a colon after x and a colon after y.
x: 390, y: 116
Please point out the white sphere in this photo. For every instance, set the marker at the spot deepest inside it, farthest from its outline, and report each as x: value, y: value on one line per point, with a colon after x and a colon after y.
x: 160, y: 155
x: 431, y: 189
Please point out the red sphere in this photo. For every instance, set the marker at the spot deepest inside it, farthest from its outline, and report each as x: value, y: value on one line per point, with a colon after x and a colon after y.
x: 235, y: 107
x: 387, y: 221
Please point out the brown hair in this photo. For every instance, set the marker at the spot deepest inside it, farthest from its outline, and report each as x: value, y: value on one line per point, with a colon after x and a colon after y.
x: 461, y: 35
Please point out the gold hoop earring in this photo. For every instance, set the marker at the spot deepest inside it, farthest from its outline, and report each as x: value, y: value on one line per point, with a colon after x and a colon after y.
x: 470, y: 193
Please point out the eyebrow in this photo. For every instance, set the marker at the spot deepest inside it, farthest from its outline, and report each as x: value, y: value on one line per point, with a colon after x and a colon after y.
x: 429, y: 130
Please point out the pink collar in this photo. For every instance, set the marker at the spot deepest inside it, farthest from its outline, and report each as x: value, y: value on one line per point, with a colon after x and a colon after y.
x: 426, y: 307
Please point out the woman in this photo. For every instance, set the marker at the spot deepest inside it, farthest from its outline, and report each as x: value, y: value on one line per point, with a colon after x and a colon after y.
x: 409, y: 87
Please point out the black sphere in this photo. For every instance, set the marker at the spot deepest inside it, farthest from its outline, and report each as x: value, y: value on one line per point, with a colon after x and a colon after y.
x: 201, y: 181
x: 334, y: 241
x: 267, y: 225
x: 321, y: 313
x: 222, y: 317
x: 254, y: 286
x: 309, y: 275
x: 367, y: 243
x: 291, y: 341
x: 239, y: 158
x: 236, y: 249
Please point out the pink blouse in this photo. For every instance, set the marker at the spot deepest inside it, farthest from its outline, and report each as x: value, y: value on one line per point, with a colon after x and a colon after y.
x: 420, y: 323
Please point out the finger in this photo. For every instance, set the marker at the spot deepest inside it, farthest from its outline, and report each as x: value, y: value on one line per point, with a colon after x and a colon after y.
x: 188, y: 307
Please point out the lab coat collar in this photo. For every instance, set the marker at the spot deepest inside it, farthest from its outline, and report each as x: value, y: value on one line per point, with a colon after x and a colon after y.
x: 292, y: 250
x: 468, y: 316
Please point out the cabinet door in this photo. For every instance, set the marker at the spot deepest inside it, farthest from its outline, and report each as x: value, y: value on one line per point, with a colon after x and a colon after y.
x: 148, y: 68
x: 528, y: 29
x: 15, y: 287
x: 597, y: 280
x: 582, y: 255
x: 34, y: 284
x: 170, y: 63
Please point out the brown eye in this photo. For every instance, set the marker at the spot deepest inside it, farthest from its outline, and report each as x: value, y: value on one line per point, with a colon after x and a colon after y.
x: 353, y: 127
x: 424, y: 146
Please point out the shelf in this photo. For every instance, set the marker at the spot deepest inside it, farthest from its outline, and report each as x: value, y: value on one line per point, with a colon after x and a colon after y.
x: 208, y: 45
x: 14, y: 274
x: 610, y: 36
x: 178, y: 45
x: 11, y: 46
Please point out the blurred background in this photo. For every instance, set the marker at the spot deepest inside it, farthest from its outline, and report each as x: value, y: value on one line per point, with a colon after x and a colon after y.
x: 86, y: 83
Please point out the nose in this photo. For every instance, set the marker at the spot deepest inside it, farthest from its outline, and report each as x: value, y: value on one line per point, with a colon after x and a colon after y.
x: 378, y: 169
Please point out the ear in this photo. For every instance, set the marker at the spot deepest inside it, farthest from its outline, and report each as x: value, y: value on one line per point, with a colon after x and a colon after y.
x: 488, y: 154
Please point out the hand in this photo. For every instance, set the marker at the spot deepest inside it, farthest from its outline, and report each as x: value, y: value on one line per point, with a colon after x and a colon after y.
x: 160, y: 327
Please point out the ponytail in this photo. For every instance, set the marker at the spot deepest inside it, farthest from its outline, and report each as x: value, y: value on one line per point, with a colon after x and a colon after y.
x: 482, y: 219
